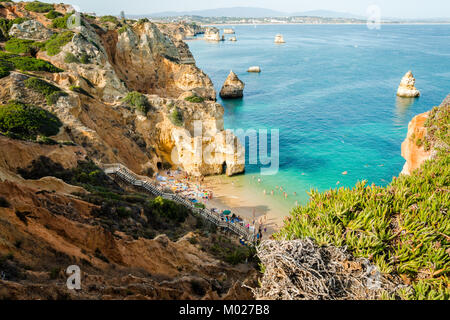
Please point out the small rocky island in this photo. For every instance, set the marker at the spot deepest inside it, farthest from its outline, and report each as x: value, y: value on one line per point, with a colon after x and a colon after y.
x: 407, y: 87
x: 279, y: 39
x: 233, y: 88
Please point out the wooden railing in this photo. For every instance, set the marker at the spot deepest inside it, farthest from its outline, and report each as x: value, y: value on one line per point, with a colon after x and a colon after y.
x: 126, y: 175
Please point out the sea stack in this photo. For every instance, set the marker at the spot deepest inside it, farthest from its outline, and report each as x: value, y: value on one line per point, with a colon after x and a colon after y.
x: 254, y: 69
x: 228, y: 31
x: 212, y: 34
x: 233, y: 87
x: 233, y: 39
x: 407, y: 87
x: 279, y: 39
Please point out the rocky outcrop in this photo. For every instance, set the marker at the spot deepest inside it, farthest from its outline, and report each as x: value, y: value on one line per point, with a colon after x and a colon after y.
x: 233, y: 87
x: 279, y: 39
x: 412, y: 151
x: 254, y: 69
x: 228, y: 31
x: 31, y: 30
x: 212, y: 34
x: 233, y: 39
x: 419, y: 145
x: 407, y: 87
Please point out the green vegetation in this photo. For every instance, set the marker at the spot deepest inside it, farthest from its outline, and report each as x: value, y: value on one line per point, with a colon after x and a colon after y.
x: 123, y: 29
x: 6, y: 24
x: 403, y: 228
x: 57, y: 41
x: 177, y: 117
x: 40, y: 7
x: 53, y: 14
x: 24, y: 46
x: 112, y: 19
x: 27, y: 122
x: 194, y: 99
x: 9, y: 62
x: 138, y: 101
x: 51, y: 92
x: 80, y: 90
x: 61, y: 22
x: 33, y: 64
x: 169, y: 209
x: 71, y: 58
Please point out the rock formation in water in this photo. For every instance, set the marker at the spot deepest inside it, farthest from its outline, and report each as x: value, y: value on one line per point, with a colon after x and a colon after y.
x: 407, y: 87
x: 228, y: 31
x: 279, y: 39
x: 420, y: 145
x: 254, y: 69
x: 212, y: 34
x: 232, y: 88
x: 234, y: 39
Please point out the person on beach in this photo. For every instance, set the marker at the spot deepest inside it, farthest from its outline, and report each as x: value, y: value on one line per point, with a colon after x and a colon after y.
x: 272, y: 193
x: 265, y: 192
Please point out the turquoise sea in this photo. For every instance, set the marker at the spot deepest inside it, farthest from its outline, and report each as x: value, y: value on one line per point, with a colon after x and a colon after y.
x: 331, y: 91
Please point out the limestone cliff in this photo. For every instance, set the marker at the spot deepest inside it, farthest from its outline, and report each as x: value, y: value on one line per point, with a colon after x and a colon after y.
x: 71, y: 213
x: 420, y: 144
x: 108, y: 61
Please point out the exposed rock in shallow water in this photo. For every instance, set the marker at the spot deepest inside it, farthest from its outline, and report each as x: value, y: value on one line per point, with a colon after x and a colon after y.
x: 254, y: 69
x: 407, y: 87
x: 212, y: 34
x: 279, y: 39
x: 233, y: 87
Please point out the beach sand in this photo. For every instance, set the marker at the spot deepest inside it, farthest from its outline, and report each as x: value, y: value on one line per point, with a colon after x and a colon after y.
x: 244, y: 199
x: 244, y: 196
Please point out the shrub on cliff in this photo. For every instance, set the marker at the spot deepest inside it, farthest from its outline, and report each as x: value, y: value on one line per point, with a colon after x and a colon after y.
x: 137, y: 100
x: 40, y: 7
x: 61, y: 22
x: 402, y: 228
x: 27, y: 121
x: 53, y: 14
x: 51, y: 92
x: 194, y: 99
x: 6, y: 24
x: 24, y: 46
x: 57, y: 41
x: 33, y: 64
x: 168, y: 209
x: 177, y: 117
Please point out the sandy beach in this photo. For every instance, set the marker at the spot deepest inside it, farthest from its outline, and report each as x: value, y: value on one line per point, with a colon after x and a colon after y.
x: 236, y: 194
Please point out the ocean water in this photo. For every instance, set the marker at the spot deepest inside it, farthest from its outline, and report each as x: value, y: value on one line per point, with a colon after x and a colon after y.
x: 331, y: 92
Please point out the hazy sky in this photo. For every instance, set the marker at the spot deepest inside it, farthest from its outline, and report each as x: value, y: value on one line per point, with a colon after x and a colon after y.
x: 389, y: 8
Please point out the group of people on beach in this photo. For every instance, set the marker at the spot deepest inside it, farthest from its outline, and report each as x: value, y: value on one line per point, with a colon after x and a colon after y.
x: 191, y: 189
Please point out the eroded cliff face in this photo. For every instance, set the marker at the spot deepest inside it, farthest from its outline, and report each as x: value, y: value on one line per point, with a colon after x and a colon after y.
x: 135, y: 57
x: 419, y: 145
x: 49, y: 224
x: 49, y: 231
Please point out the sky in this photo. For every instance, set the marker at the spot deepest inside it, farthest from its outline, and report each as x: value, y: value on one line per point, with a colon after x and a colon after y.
x: 389, y: 8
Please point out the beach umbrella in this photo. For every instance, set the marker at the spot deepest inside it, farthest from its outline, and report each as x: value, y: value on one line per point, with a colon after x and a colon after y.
x: 227, y: 212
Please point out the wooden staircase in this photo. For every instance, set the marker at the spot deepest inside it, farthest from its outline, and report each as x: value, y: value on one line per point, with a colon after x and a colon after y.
x: 119, y: 171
